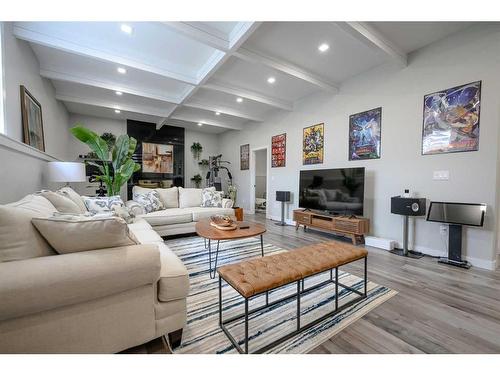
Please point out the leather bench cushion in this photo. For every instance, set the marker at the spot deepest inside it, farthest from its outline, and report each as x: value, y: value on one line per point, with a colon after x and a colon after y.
x: 258, y: 275
x: 168, y: 216
x: 174, y: 279
x: 206, y: 212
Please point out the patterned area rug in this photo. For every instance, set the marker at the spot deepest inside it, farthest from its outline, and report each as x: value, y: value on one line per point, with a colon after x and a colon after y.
x: 203, y: 334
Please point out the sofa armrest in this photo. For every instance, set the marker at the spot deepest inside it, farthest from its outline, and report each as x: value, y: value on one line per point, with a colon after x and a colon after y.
x: 227, y: 203
x: 136, y: 208
x: 39, y: 284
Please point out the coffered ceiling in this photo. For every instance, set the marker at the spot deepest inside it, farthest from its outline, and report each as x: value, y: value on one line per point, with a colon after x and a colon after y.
x: 212, y: 76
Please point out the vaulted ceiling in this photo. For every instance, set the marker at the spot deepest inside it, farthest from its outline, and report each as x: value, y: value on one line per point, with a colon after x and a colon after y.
x: 212, y: 76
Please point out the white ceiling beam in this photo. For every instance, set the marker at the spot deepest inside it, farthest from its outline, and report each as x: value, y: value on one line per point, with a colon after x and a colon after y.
x: 206, y: 122
x: 223, y: 110
x: 228, y: 89
x: 287, y: 68
x: 63, y: 45
x: 59, y: 76
x: 200, y: 34
x: 111, y: 105
x: 368, y: 35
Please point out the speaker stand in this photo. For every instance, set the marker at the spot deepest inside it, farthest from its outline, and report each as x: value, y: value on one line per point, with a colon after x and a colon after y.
x: 282, y: 222
x: 455, y: 248
x: 404, y: 251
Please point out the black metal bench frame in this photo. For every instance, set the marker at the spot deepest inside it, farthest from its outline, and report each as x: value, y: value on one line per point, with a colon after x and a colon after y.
x: 300, y: 291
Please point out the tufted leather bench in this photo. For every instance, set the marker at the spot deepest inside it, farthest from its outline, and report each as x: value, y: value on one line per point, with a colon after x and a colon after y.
x: 254, y: 277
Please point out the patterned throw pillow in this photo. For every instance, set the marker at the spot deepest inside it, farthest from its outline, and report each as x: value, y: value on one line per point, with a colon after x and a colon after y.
x: 97, y: 205
x: 211, y: 198
x: 150, y: 201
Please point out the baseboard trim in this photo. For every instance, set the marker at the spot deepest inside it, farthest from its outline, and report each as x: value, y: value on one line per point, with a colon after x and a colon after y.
x: 278, y: 218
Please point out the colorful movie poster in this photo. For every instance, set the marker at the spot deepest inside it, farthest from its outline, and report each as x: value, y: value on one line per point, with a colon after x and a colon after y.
x: 245, y: 157
x: 364, y: 134
x: 451, y: 120
x: 278, y: 150
x: 313, y: 144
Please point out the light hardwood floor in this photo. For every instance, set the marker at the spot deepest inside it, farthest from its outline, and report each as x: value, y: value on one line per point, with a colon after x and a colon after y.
x: 439, y: 308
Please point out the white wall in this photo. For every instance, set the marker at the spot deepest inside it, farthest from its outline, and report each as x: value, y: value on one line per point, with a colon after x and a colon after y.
x: 468, y: 56
x: 21, y: 168
x: 260, y: 173
x: 210, y: 144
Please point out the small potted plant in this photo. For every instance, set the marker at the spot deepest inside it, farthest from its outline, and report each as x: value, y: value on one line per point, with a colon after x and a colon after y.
x: 203, y: 163
x: 196, y: 149
x: 197, y: 180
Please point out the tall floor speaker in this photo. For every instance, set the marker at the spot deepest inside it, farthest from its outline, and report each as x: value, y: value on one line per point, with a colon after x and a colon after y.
x: 283, y: 197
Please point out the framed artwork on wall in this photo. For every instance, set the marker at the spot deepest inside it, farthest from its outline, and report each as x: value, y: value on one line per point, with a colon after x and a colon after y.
x: 365, y: 134
x: 278, y: 150
x: 245, y: 157
x: 31, y: 114
x: 451, y: 120
x: 157, y: 158
x: 313, y: 139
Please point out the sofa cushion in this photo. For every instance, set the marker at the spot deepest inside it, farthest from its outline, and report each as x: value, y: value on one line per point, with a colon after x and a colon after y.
x: 189, y: 197
x: 169, y: 216
x: 174, y: 279
x: 71, y: 234
x: 61, y: 202
x: 19, y: 239
x: 144, y: 233
x: 169, y: 197
x: 74, y: 196
x: 205, y: 212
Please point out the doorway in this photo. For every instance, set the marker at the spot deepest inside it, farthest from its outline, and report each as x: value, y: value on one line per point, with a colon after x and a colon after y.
x: 259, y: 175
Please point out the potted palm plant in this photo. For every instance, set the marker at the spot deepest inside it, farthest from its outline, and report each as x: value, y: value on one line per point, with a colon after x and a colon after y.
x: 115, y: 163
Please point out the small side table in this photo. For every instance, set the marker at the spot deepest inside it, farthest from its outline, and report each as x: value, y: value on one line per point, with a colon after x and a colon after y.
x: 238, y: 212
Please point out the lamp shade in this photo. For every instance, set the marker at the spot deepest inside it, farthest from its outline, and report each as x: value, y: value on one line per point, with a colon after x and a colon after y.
x: 63, y: 171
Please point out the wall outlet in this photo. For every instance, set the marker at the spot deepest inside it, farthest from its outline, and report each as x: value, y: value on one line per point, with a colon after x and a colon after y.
x: 443, y: 230
x: 441, y: 175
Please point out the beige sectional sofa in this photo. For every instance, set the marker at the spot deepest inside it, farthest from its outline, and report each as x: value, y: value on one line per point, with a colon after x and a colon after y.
x: 99, y: 301
x: 182, y: 210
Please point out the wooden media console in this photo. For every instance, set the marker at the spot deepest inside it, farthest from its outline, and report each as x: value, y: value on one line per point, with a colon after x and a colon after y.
x: 353, y: 227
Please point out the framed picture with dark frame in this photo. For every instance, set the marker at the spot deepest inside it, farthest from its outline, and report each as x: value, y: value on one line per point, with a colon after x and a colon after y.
x: 31, y: 114
x: 365, y: 129
x: 278, y: 150
x: 245, y: 157
x: 451, y: 120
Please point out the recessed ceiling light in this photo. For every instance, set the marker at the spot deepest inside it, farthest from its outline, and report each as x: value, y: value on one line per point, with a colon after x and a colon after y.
x: 119, y: 93
x: 121, y: 70
x: 323, y: 47
x: 117, y: 111
x: 217, y: 113
x: 239, y: 100
x: 127, y: 29
x: 271, y: 80
x: 200, y: 124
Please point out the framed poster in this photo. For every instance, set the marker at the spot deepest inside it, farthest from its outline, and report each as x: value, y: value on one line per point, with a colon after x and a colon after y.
x: 31, y: 115
x: 278, y: 151
x: 364, y: 134
x: 313, y: 144
x: 451, y: 120
x: 157, y: 158
x: 245, y: 157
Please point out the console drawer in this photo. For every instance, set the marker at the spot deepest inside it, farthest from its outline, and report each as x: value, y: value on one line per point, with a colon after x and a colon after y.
x: 302, y: 218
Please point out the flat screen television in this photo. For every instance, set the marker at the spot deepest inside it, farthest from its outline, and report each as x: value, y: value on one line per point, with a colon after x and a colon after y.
x: 336, y: 191
x: 471, y: 214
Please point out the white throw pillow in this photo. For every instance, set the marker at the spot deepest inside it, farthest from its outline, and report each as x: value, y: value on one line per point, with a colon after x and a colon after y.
x: 61, y: 202
x: 102, y: 204
x: 150, y: 201
x: 70, y: 234
x: 211, y: 198
x: 74, y: 196
x: 169, y: 197
x: 190, y: 197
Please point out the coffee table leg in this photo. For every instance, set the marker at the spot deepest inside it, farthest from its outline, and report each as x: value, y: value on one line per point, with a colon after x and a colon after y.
x: 213, y: 271
x: 205, y: 242
x: 262, y: 244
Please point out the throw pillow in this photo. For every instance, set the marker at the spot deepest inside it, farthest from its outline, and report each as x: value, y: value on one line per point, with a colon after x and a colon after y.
x: 61, y: 202
x: 125, y: 213
x: 70, y: 234
x: 74, y: 196
x: 169, y: 196
x: 18, y: 238
x: 150, y: 201
x: 102, y: 204
x: 191, y: 197
x: 211, y: 198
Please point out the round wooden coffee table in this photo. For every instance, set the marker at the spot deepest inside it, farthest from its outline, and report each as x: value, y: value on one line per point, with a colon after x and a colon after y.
x: 210, y: 233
